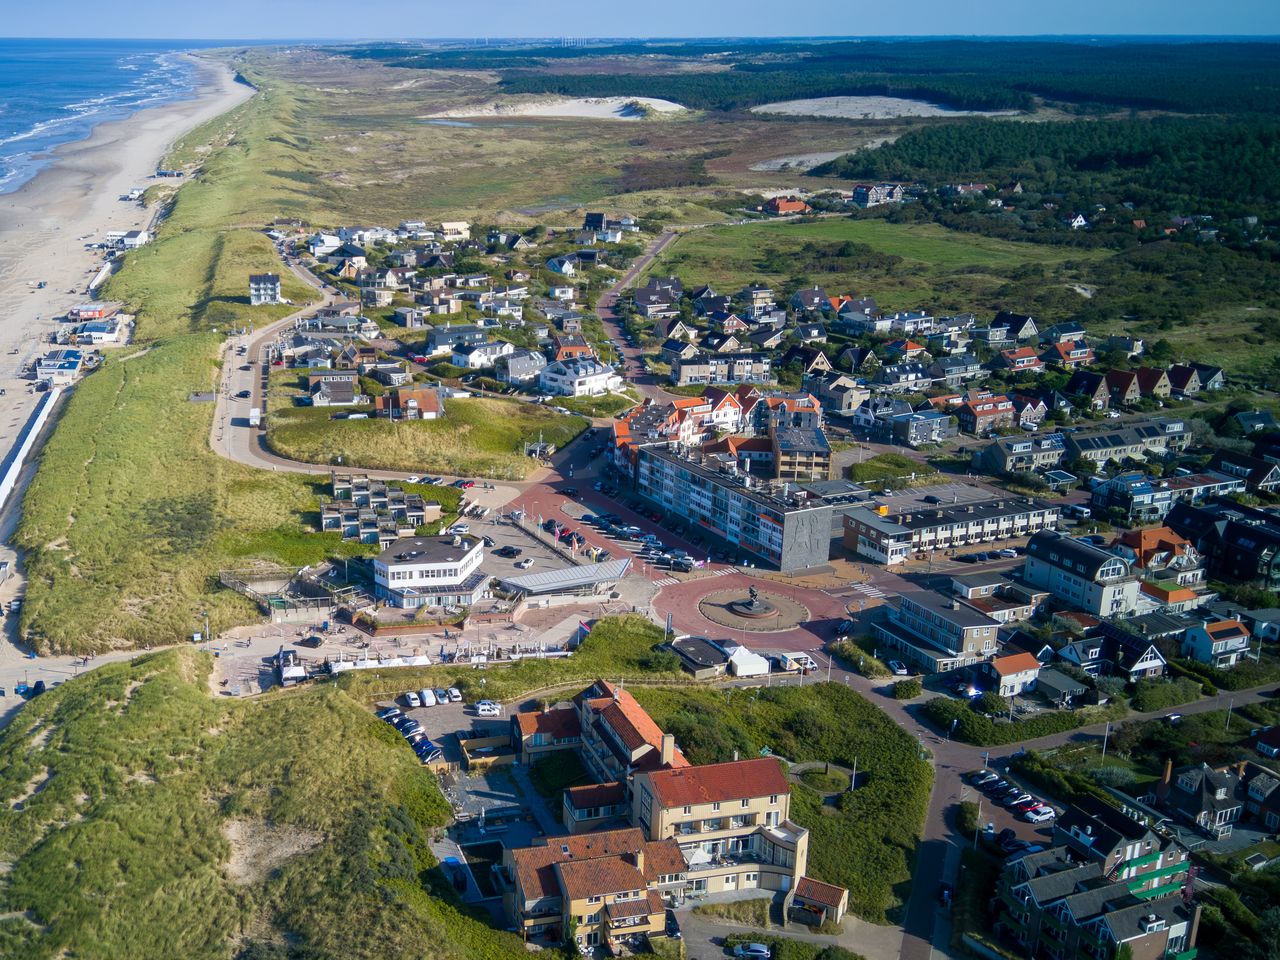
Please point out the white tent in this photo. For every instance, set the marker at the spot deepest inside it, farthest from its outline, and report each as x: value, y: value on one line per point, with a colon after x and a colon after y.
x: 744, y: 663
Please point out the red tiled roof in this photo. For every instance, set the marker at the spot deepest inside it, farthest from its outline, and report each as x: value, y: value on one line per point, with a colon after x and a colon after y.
x: 580, y: 879
x: 718, y: 782
x: 554, y: 723
x: 1015, y: 663
x: 815, y: 891
x: 595, y: 795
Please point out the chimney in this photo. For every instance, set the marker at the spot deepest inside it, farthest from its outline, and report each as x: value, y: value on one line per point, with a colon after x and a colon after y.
x: 668, y: 749
x: 1240, y: 768
x: 638, y: 856
x: 1166, y: 780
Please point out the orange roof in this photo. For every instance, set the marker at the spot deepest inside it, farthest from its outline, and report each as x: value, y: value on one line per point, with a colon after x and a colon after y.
x: 1018, y: 354
x: 1015, y: 663
x: 718, y: 782
x: 595, y: 795
x: 556, y: 723
x: 594, y: 878
x: 1147, y: 543
x: 1225, y: 628
x: 815, y: 891
x: 1168, y: 594
x: 535, y: 866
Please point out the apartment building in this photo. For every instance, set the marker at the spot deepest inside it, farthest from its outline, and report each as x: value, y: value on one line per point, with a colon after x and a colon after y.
x: 1241, y: 544
x: 800, y: 453
x: 722, y: 368
x: 264, y: 288
x: 1021, y: 454
x: 1144, y: 499
x: 892, y: 538
x: 1136, y: 441
x: 937, y: 633
x: 731, y: 821
x: 788, y: 530
x: 1080, y: 574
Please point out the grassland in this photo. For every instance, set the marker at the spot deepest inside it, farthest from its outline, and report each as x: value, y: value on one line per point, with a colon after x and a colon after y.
x: 144, y: 818
x: 479, y: 436
x: 939, y: 268
x: 866, y: 841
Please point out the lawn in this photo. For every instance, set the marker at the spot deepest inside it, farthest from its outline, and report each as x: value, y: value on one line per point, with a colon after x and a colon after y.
x: 867, y: 840
x: 904, y: 266
x: 265, y: 839
x: 478, y: 436
x: 896, y: 467
x: 609, y: 405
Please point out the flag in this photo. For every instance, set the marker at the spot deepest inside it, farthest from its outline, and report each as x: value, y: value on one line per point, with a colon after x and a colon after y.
x: 582, y: 625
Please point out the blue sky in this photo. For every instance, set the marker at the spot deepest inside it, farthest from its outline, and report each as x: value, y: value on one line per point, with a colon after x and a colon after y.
x: 388, y: 19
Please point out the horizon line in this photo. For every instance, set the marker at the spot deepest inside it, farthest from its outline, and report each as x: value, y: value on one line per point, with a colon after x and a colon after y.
x: 557, y: 38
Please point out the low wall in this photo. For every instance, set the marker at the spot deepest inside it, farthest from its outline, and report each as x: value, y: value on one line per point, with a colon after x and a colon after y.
x: 44, y: 408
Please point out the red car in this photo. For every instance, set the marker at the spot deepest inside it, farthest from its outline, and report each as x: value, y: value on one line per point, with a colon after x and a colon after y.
x: 1028, y: 806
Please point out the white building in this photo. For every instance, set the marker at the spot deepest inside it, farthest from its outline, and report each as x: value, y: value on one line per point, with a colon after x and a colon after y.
x: 1085, y: 577
x: 59, y: 366
x: 264, y: 288
x: 455, y: 230
x: 481, y: 356
x: 581, y: 377
x: 134, y: 239
x: 323, y: 244
x: 430, y: 572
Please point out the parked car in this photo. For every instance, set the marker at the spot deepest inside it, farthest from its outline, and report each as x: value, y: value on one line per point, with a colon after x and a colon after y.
x: 389, y: 714
x: 1038, y: 815
x: 243, y: 395
x: 412, y: 699
x: 1019, y: 801
x: 898, y: 667
x: 983, y: 777
x: 414, y: 478
x: 487, y: 708
x: 428, y: 697
x: 455, y: 695
x: 525, y: 564
x: 673, y: 925
x: 996, y: 786
x: 412, y: 727
x: 460, y: 529
x: 755, y: 950
x: 508, y: 551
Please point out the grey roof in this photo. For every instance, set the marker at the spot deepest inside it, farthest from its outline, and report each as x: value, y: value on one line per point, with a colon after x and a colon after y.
x: 1052, y: 886
x: 1054, y: 681
x: 1094, y: 901
x: 801, y: 440
x: 700, y: 651
x: 948, y: 608
x: 990, y: 578
x: 1053, y: 548
x: 568, y: 578
x: 412, y: 550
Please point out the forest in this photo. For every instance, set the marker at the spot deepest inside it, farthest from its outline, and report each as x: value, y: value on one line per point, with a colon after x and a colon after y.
x: 1168, y: 164
x: 1230, y: 77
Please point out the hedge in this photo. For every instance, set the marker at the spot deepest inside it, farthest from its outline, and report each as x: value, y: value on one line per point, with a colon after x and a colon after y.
x: 784, y: 948
x: 1065, y: 785
x: 973, y: 727
x: 1151, y: 695
x: 1242, y: 676
x: 907, y: 689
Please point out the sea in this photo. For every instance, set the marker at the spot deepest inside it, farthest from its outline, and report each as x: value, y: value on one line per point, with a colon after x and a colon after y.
x: 56, y: 91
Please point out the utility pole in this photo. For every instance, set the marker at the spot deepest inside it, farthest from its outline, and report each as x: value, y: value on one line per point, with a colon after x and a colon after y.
x: 1230, y: 705
x: 1105, y: 735
x: 978, y: 826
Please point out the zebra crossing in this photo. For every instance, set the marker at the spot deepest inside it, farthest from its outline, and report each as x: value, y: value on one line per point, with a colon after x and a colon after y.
x: 870, y: 590
x: 672, y: 581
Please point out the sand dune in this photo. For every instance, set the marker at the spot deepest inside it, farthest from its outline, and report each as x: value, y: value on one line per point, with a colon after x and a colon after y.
x: 870, y: 108
x: 582, y: 108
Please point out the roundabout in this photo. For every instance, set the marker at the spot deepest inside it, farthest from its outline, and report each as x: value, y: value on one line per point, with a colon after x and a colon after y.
x: 756, y: 612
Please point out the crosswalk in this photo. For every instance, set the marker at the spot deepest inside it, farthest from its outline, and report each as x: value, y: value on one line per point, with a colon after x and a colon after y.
x: 870, y: 590
x: 672, y: 581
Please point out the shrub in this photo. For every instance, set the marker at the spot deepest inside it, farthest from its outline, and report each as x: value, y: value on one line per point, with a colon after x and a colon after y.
x: 967, y: 816
x: 907, y: 689
x: 1149, y: 695
x: 1066, y: 785
x: 971, y: 727
x: 991, y: 702
x: 856, y: 652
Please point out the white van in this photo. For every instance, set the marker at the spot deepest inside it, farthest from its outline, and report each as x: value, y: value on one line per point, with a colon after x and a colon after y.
x: 1079, y: 511
x: 428, y: 698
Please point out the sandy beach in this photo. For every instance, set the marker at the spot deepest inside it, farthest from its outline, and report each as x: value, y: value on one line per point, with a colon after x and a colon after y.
x: 41, y: 226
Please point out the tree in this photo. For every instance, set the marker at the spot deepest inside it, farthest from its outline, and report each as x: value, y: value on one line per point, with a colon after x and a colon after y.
x: 992, y: 703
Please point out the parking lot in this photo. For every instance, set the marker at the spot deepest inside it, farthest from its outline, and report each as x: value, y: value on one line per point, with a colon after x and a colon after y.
x: 509, y: 536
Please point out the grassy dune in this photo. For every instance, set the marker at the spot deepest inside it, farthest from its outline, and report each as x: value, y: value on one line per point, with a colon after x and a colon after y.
x: 476, y: 437
x: 146, y: 819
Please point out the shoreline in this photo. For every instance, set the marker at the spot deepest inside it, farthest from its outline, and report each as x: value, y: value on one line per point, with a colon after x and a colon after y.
x: 42, y: 224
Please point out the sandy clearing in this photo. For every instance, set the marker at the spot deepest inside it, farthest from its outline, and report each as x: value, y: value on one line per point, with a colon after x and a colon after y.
x: 581, y: 108
x: 870, y: 108
x: 259, y: 847
x: 807, y: 161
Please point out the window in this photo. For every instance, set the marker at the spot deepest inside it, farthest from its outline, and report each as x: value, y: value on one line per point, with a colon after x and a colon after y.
x: 688, y: 811
x: 773, y: 800
x: 715, y: 808
x: 593, y: 899
x: 745, y: 804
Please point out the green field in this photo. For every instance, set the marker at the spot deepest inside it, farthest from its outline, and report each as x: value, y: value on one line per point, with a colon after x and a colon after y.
x: 867, y: 840
x: 145, y: 818
x: 477, y: 436
x: 940, y: 269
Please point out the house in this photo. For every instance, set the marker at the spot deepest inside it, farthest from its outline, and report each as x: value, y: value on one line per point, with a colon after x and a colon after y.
x: 1184, y: 380
x: 654, y: 304
x: 1138, y: 440
x: 521, y: 366
x: 995, y: 336
x: 1211, y: 377
x: 264, y: 288
x: 1092, y: 387
x: 1020, y: 326
x: 454, y: 231
x: 859, y: 360
x: 812, y: 333
x: 673, y: 350
x: 1061, y: 690
x: 481, y: 356
x: 767, y: 338
x: 1132, y: 346
x: 877, y: 194
x: 1210, y: 799
x: 811, y: 360
x: 581, y: 377
x: 133, y: 239
x: 905, y: 350
x: 839, y: 394
x: 720, y: 343
x: 1014, y: 674
x: 1144, y: 499
x: 1080, y: 575
x: 1020, y: 359
x: 955, y: 370
x: 983, y: 414
x: 810, y: 300
x: 387, y: 372
x: 722, y: 368
x: 1123, y: 385
x: 935, y: 633
x: 1257, y: 474
x: 571, y: 346
x: 1021, y: 454
x: 1241, y: 544
x: 333, y: 389
x: 1219, y: 643
x: 59, y: 366
x: 904, y: 377
x: 918, y: 428
x: 446, y: 339
x: 1256, y: 421
x: 323, y: 244
x: 1030, y: 410
x: 1063, y: 332
x: 1153, y: 382
x: 1069, y: 354
x: 401, y: 404
x: 786, y: 207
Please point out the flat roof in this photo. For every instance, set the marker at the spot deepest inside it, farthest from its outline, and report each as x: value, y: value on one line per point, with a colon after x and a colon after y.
x: 414, y: 550
x: 568, y: 578
x: 949, y: 609
x: 700, y: 651
x: 759, y: 492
